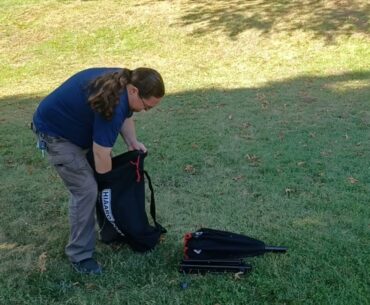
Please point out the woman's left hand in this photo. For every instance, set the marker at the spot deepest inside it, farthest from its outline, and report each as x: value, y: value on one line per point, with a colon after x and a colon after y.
x: 137, y: 146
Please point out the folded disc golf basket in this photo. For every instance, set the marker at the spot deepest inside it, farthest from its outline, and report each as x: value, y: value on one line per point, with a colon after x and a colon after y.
x: 208, y: 250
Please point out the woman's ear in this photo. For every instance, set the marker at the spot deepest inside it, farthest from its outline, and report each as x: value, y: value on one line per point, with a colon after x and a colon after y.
x: 132, y: 90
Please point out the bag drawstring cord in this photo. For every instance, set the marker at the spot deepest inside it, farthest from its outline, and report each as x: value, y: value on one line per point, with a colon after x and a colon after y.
x: 137, y: 164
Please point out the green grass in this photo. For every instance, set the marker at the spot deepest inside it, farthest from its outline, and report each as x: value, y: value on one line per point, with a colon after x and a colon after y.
x: 264, y: 131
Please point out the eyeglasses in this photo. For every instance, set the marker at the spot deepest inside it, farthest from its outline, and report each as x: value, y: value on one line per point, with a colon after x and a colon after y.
x: 146, y: 106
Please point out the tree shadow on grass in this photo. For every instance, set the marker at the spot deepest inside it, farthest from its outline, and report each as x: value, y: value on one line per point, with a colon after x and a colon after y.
x: 236, y: 122
x: 324, y: 19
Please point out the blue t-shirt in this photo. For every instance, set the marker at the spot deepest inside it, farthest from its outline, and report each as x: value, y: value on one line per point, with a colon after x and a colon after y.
x: 66, y: 113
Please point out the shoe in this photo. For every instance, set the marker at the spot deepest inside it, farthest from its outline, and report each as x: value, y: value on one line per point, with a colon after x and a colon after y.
x: 88, y: 266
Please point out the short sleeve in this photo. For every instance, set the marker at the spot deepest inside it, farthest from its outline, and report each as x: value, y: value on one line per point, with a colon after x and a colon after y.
x: 105, y: 132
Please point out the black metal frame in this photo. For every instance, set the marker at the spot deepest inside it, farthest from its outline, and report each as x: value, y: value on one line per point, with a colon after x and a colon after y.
x: 219, y: 265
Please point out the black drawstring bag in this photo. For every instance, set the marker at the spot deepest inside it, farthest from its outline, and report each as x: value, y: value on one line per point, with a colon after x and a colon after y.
x: 121, y: 204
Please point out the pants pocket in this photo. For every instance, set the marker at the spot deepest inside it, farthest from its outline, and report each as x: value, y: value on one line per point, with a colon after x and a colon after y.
x: 74, y: 170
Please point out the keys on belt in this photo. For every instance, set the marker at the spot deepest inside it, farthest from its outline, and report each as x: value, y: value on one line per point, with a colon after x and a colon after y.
x: 41, y: 143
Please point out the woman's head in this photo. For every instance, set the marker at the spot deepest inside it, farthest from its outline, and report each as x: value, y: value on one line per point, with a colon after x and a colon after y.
x: 145, y: 89
x: 144, y: 85
x: 148, y: 81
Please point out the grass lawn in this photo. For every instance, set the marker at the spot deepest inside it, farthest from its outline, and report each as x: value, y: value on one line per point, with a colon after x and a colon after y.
x: 264, y: 130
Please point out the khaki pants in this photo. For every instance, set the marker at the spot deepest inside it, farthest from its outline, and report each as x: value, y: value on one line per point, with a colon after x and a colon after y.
x: 72, y: 166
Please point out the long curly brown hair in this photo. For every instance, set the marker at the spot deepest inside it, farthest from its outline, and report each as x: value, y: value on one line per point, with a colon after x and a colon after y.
x: 105, y: 90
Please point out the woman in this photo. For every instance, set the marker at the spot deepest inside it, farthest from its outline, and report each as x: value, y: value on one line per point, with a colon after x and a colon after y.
x: 86, y: 112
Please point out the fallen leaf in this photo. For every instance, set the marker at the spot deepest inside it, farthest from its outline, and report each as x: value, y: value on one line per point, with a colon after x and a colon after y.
x: 238, y: 275
x: 29, y: 170
x: 288, y: 191
x: 90, y: 286
x: 250, y: 157
x: 42, y: 262
x: 189, y: 169
x: 352, y: 180
x: 308, y: 99
x: 263, y: 100
x: 325, y: 153
x: 253, y: 159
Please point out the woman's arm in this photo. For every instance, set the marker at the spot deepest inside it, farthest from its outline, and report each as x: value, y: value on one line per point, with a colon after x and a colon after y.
x: 128, y: 134
x: 102, y: 158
